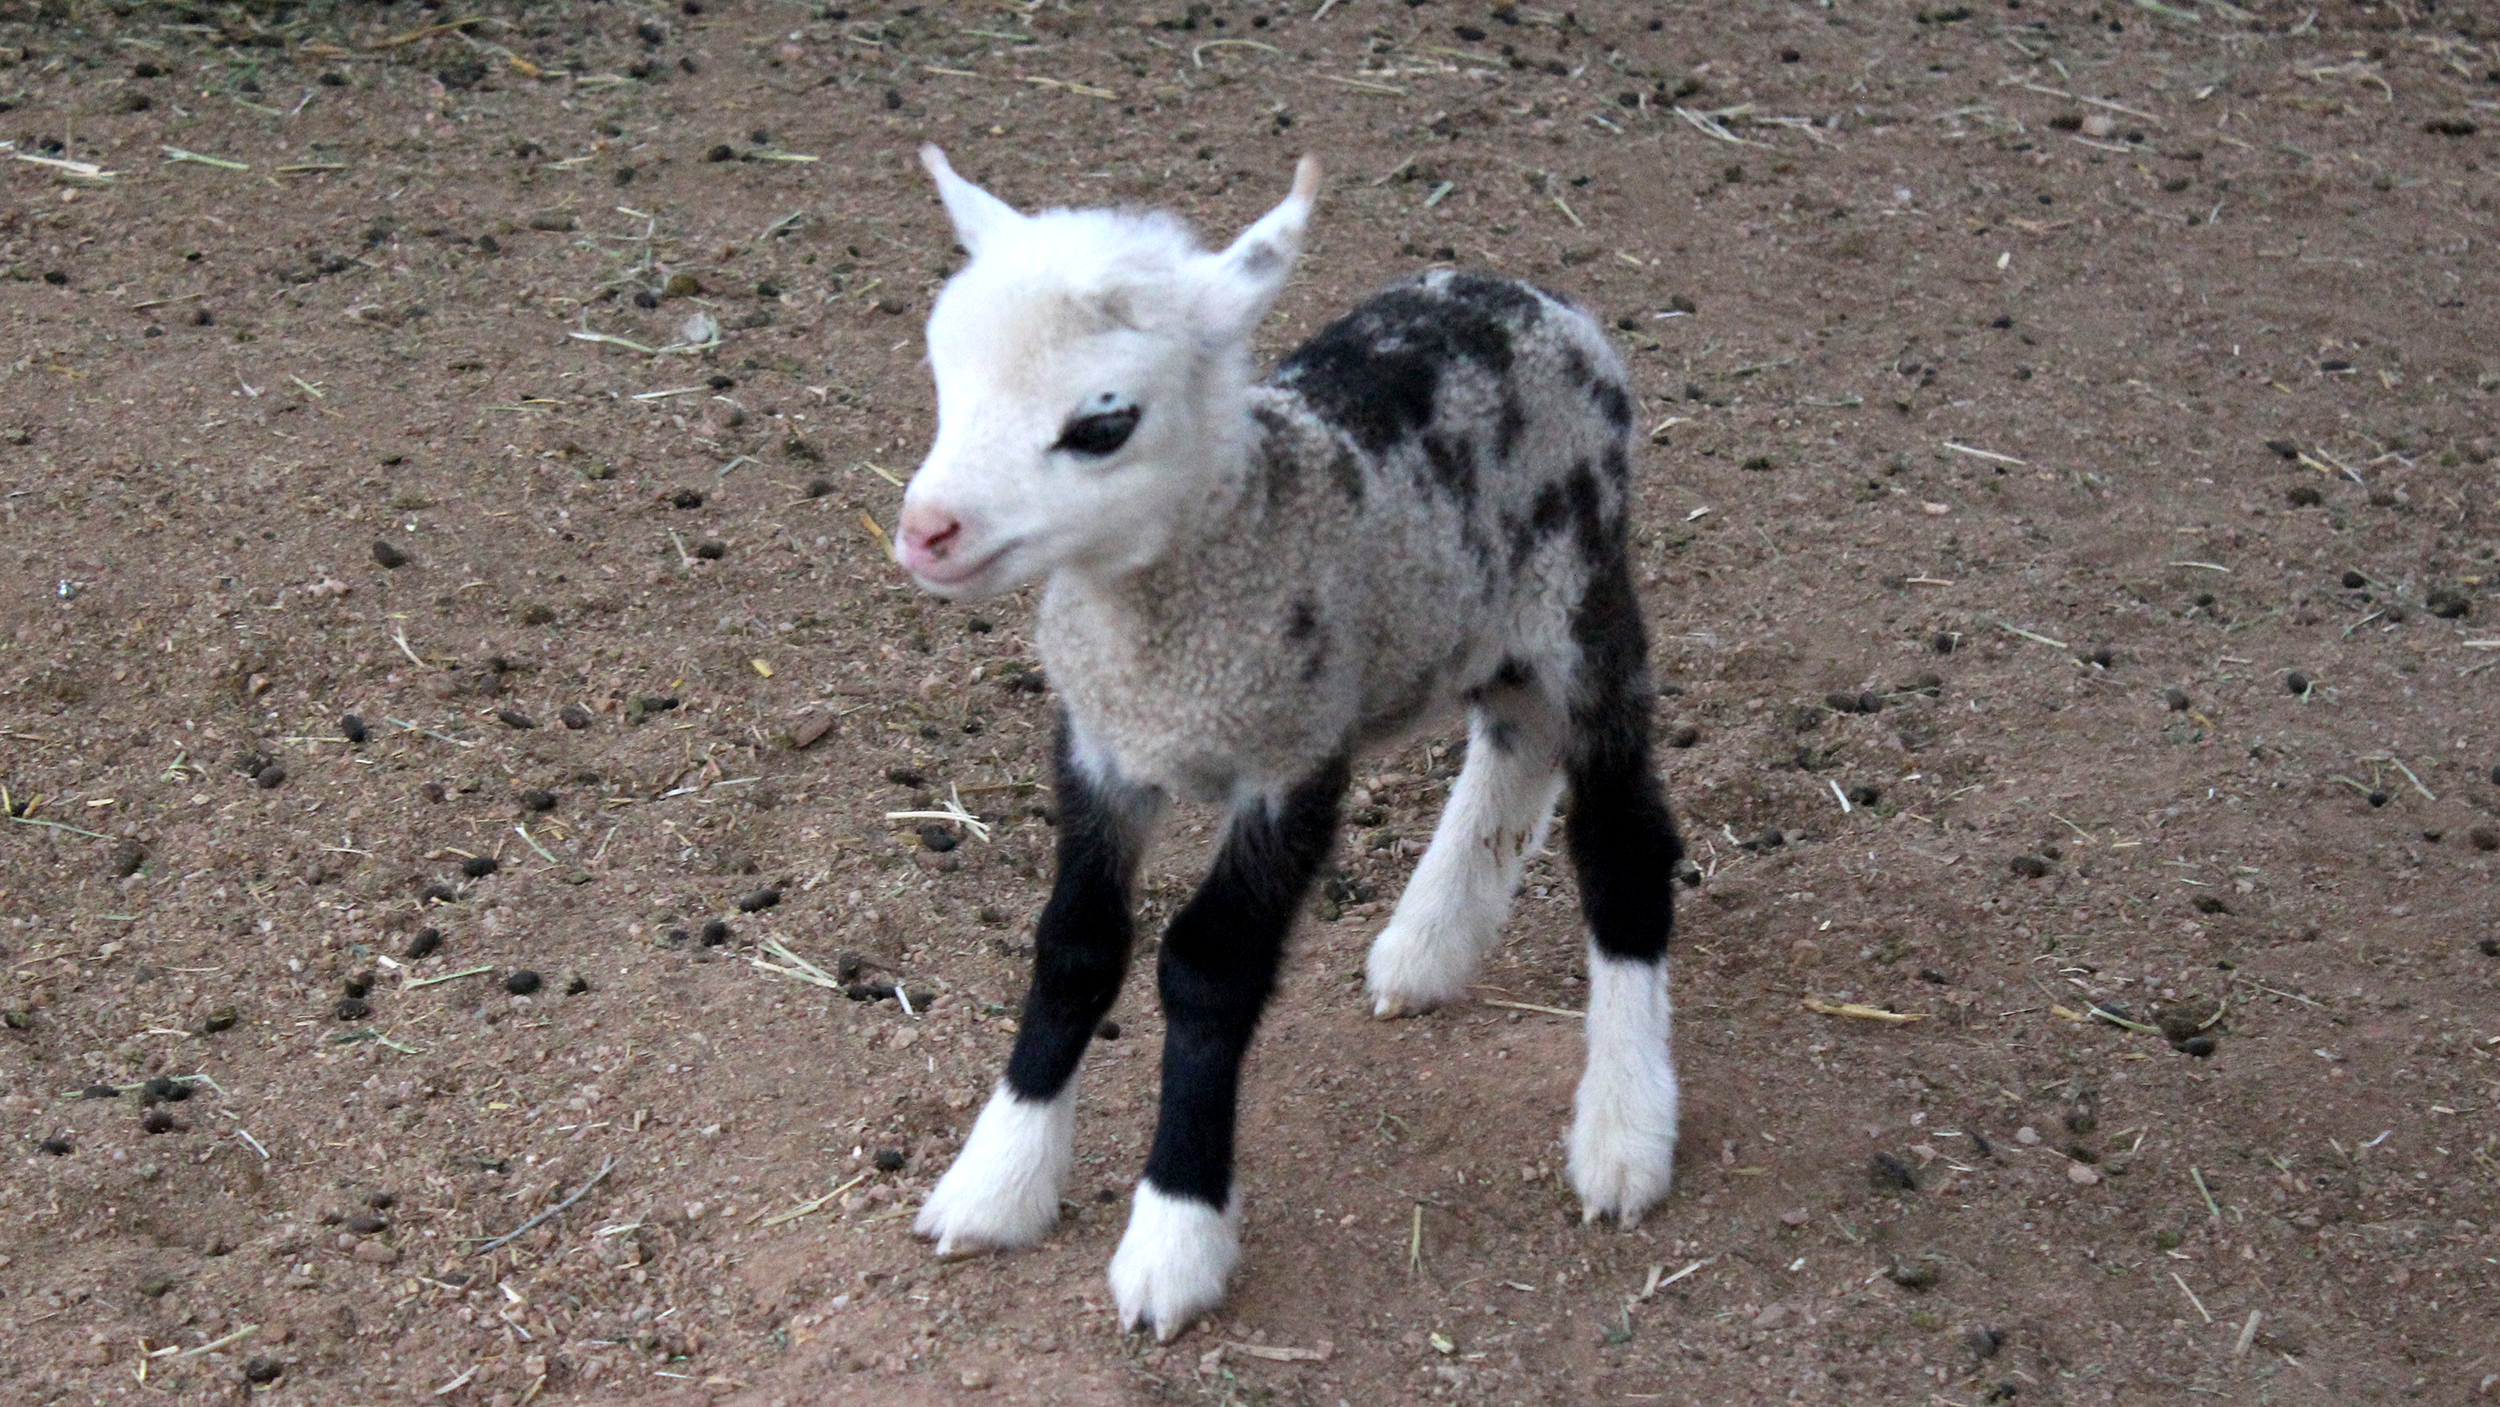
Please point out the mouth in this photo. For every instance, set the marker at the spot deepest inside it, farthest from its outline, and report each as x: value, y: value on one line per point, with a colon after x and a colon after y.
x: 950, y: 574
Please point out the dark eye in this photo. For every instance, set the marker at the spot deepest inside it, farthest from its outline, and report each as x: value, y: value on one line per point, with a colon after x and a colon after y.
x: 1100, y: 434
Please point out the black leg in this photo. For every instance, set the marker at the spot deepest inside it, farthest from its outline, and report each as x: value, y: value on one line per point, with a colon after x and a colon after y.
x: 1218, y: 969
x: 1623, y: 842
x: 1081, y: 950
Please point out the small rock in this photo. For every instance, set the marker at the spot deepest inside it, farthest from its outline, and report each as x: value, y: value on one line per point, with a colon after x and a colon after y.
x: 938, y: 837
x: 686, y: 498
x: 2202, y: 1047
x: 1683, y: 735
x: 424, y: 943
x: 2027, y: 1136
x: 2082, y: 1174
x: 2176, y: 699
x: 156, y: 1121
x: 681, y: 285
x: 433, y: 792
x: 99, y: 1090
x: 1796, y: 1216
x: 889, y: 1160
x: 2284, y: 448
x: 575, y: 717
x: 155, y: 1286
x: 715, y: 933
x: 1109, y: 1030
x: 2304, y: 496
x: 522, y: 983
x: 2297, y: 683
x: 2028, y: 866
x: 352, y: 1009
x: 1887, y: 1173
x: 262, y: 1369
x: 375, y: 1253
x: 270, y: 778
x: 2378, y: 799
x: 352, y: 728
x: 2448, y: 605
x: 128, y: 858
x: 1914, y: 1275
x: 515, y: 718
x: 358, y: 985
x: 711, y: 549
x: 2489, y: 947
x: 164, y: 1088
x: 367, y: 1224
x: 389, y: 557
x: 759, y: 901
x: 1771, y: 1317
x: 538, y: 801
x: 577, y: 985
x: 1984, y: 1342
x: 479, y: 866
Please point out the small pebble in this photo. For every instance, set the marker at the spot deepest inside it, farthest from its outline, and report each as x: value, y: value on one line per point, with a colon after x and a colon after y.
x: 2304, y: 496
x: 424, y: 943
x: 575, y: 717
x: 156, y: 1121
x: 1109, y: 1030
x: 711, y: 549
x: 2177, y: 699
x: 155, y: 1286
x: 166, y: 1088
x: 1983, y: 1342
x: 2483, y: 838
x: 686, y: 498
x: 352, y: 728
x: 715, y: 933
x: 522, y: 983
x: 2354, y: 581
x: 2028, y: 866
x: 937, y: 837
x: 2202, y: 1047
x: 2027, y: 1136
x: 2489, y: 947
x: 538, y: 801
x: 759, y: 901
x: 270, y: 778
x: 379, y: 1201
x: 1917, y: 1275
x: 479, y: 866
x: 262, y: 1369
x: 1683, y: 735
x: 515, y: 718
x: 100, y: 1091
x: 578, y: 985
x: 222, y: 1019
x: 2377, y: 799
x: 1864, y: 795
x: 889, y: 1160
x: 367, y: 1224
x: 390, y: 558
x: 2297, y: 683
x: 351, y: 1009
x: 358, y: 985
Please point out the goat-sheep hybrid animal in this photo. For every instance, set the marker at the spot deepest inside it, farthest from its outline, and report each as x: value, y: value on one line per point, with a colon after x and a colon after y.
x: 1245, y: 585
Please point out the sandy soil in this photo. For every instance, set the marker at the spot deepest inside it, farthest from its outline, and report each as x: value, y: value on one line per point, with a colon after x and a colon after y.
x: 2069, y: 538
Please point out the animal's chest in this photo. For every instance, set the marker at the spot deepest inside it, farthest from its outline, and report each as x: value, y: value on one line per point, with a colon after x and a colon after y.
x: 1197, y: 697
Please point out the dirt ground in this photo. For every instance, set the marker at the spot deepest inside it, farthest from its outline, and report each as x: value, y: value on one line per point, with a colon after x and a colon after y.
x: 2068, y: 536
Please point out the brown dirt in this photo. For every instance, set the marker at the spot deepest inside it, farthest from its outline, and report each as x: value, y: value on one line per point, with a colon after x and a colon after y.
x: 222, y: 387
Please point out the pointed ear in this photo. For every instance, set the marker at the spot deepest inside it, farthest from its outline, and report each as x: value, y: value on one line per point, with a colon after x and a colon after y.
x: 1245, y: 279
x: 978, y: 215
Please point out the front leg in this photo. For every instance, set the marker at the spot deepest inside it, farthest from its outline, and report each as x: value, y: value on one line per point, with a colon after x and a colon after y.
x: 1217, y: 970
x: 1003, y: 1190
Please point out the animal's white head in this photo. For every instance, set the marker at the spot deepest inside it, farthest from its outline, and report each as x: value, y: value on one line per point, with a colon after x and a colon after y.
x: 1090, y: 370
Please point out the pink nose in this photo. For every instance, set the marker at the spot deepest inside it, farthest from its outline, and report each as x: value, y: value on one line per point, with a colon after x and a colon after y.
x: 928, y: 535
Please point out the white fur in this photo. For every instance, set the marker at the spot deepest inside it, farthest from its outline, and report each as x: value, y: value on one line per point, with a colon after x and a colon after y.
x: 1453, y: 907
x: 1003, y: 1190
x: 1172, y: 1264
x: 1623, y: 1119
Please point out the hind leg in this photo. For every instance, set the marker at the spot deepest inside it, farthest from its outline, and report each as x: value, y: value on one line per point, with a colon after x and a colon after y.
x: 1453, y: 908
x: 1624, y: 846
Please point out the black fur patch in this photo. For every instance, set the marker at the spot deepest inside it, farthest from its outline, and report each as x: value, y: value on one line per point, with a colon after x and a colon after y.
x: 1617, y: 461
x: 1453, y: 464
x: 1588, y: 517
x: 1576, y: 366
x: 1622, y: 839
x: 1376, y: 372
x: 1348, y: 472
x: 1614, y: 401
x: 1281, y: 467
x: 1503, y: 736
x: 1304, y: 620
x: 1509, y: 425
x: 1547, y: 515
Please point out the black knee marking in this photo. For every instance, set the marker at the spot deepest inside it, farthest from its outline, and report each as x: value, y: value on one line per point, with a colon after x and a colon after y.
x: 1622, y: 839
x: 1217, y: 970
x: 1081, y: 951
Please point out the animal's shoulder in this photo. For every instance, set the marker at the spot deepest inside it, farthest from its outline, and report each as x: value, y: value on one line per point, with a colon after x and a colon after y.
x: 1377, y: 372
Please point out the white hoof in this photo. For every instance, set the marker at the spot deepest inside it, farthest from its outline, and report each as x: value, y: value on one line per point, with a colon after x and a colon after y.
x: 1172, y: 1264
x: 1623, y: 1120
x: 1417, y: 965
x: 1003, y: 1190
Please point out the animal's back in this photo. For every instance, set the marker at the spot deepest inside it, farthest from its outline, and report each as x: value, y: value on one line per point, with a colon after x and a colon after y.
x: 1433, y: 479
